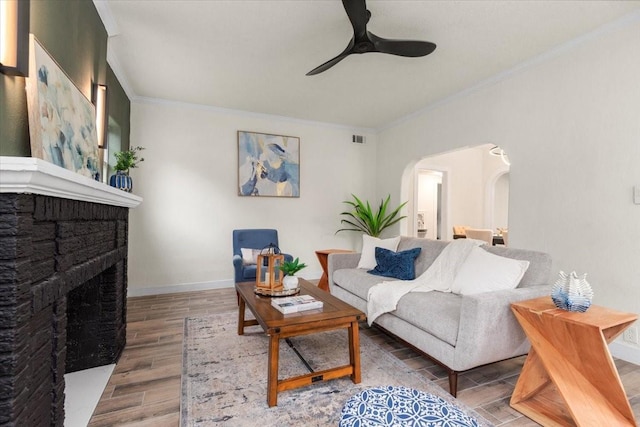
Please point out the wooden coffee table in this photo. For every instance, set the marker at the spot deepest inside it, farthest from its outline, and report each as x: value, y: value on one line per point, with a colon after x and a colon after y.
x: 335, y: 314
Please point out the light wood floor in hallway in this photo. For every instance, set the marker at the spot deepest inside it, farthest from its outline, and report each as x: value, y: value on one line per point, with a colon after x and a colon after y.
x: 144, y: 389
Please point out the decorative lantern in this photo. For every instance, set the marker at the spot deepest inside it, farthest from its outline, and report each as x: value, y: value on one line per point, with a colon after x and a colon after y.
x: 268, y: 274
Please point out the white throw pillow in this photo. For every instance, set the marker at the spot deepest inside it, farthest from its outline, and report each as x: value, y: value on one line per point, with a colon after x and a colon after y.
x: 249, y: 256
x: 483, y: 271
x: 369, y: 245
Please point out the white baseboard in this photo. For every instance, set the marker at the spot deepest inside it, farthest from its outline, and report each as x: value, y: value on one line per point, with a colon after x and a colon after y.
x: 625, y: 352
x: 184, y: 287
x: 199, y: 286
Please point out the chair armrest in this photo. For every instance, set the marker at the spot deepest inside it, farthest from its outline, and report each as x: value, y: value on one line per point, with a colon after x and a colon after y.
x: 237, y: 268
x: 338, y: 261
x: 237, y: 261
x: 488, y: 329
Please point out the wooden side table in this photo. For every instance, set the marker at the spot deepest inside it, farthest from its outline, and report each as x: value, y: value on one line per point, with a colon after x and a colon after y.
x: 569, y: 377
x: 323, y: 257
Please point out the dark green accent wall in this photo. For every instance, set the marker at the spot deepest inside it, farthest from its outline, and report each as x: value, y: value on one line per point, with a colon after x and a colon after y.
x: 119, y: 106
x: 73, y: 34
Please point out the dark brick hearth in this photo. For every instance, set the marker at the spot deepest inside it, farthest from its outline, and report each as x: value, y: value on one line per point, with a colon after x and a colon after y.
x: 63, y: 270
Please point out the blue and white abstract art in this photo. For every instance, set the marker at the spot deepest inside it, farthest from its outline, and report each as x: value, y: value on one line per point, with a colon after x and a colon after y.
x: 268, y: 165
x: 62, y: 121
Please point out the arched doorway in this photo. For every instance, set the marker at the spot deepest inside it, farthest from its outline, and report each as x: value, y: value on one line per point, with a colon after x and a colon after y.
x: 468, y: 187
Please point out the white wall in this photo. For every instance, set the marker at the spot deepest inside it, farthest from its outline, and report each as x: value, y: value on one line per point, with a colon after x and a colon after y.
x: 571, y: 127
x: 180, y: 236
x: 501, y: 202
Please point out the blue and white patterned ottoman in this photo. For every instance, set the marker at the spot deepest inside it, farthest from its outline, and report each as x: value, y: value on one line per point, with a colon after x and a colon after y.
x: 401, y: 406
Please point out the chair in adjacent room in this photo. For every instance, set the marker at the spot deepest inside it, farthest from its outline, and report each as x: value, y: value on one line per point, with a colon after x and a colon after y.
x: 247, y: 244
x: 480, y: 234
x: 459, y: 231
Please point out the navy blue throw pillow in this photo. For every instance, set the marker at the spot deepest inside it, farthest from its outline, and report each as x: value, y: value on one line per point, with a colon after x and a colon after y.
x: 399, y: 265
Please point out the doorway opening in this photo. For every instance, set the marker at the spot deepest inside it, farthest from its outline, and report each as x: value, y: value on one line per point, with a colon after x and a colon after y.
x: 429, y: 204
x: 468, y: 187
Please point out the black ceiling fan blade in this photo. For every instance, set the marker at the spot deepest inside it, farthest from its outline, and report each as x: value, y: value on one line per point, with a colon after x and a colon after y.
x: 363, y: 41
x: 411, y: 48
x: 358, y: 15
x: 330, y: 63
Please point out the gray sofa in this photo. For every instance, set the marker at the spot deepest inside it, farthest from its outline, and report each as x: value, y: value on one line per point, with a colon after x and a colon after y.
x: 458, y: 332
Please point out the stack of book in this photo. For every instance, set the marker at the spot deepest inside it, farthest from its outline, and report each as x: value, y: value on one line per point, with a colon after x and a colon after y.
x: 295, y: 304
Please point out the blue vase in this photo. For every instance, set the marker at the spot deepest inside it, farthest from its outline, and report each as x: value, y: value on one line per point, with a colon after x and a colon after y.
x: 121, y: 181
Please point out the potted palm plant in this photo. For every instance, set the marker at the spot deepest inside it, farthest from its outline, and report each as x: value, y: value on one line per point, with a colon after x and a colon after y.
x: 362, y: 218
x: 125, y: 160
x: 290, y: 268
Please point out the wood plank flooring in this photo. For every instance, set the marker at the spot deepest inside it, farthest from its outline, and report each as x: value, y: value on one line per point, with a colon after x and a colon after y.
x: 144, y: 389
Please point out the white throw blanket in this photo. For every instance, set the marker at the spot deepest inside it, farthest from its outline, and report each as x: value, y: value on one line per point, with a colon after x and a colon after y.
x: 383, y: 297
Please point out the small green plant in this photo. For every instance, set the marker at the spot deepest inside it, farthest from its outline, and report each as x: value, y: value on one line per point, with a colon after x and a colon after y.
x: 290, y: 268
x: 362, y: 218
x: 126, y: 160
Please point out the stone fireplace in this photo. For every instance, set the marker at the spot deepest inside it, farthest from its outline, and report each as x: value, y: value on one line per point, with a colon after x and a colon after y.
x: 63, y: 282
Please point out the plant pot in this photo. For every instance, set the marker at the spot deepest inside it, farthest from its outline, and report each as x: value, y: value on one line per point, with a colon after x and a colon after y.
x: 122, y: 181
x: 290, y: 282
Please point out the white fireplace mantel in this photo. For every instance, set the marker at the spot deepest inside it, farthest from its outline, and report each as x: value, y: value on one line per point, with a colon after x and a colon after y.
x: 35, y: 176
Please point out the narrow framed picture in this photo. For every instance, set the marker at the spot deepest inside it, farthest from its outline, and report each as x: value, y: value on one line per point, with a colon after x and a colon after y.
x: 268, y: 165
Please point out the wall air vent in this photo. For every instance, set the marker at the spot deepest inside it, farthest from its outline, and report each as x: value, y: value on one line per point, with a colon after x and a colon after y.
x: 358, y: 139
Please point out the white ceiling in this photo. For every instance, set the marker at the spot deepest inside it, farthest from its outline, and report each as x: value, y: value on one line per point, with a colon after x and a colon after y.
x: 253, y: 55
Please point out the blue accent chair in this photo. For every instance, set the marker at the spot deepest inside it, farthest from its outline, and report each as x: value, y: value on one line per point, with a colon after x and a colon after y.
x: 257, y: 238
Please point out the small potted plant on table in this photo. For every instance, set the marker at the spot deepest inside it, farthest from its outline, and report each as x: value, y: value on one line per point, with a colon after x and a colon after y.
x: 125, y: 160
x: 290, y: 268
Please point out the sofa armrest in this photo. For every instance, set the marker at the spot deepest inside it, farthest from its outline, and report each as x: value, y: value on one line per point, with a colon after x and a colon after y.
x: 338, y: 261
x: 488, y: 329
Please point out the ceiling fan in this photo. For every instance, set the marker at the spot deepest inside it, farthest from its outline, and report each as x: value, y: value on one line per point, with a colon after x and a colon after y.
x: 363, y: 41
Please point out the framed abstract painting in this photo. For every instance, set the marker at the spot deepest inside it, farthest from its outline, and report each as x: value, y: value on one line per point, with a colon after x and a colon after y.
x: 62, y: 121
x: 268, y: 165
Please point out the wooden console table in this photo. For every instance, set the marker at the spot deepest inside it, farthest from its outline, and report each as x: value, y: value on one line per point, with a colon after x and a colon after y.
x: 323, y: 257
x: 569, y: 377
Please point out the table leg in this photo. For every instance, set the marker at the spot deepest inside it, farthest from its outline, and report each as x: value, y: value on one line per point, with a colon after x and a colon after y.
x: 241, y: 308
x: 323, y: 283
x: 272, y: 377
x: 354, y: 352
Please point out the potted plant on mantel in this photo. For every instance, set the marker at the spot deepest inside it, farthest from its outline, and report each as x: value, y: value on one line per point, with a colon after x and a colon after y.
x: 362, y: 218
x: 125, y: 160
x: 290, y: 268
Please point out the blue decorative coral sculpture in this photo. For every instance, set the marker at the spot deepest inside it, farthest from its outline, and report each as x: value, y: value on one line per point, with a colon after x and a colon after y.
x: 572, y: 292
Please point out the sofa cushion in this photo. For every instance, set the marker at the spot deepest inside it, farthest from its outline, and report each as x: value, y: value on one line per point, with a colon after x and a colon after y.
x: 485, y: 272
x: 356, y: 281
x: 437, y: 313
x: 429, y: 251
x: 369, y: 244
x: 539, y: 268
x: 399, y: 265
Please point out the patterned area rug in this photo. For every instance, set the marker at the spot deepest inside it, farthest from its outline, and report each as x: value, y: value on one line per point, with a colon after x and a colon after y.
x: 224, y: 377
